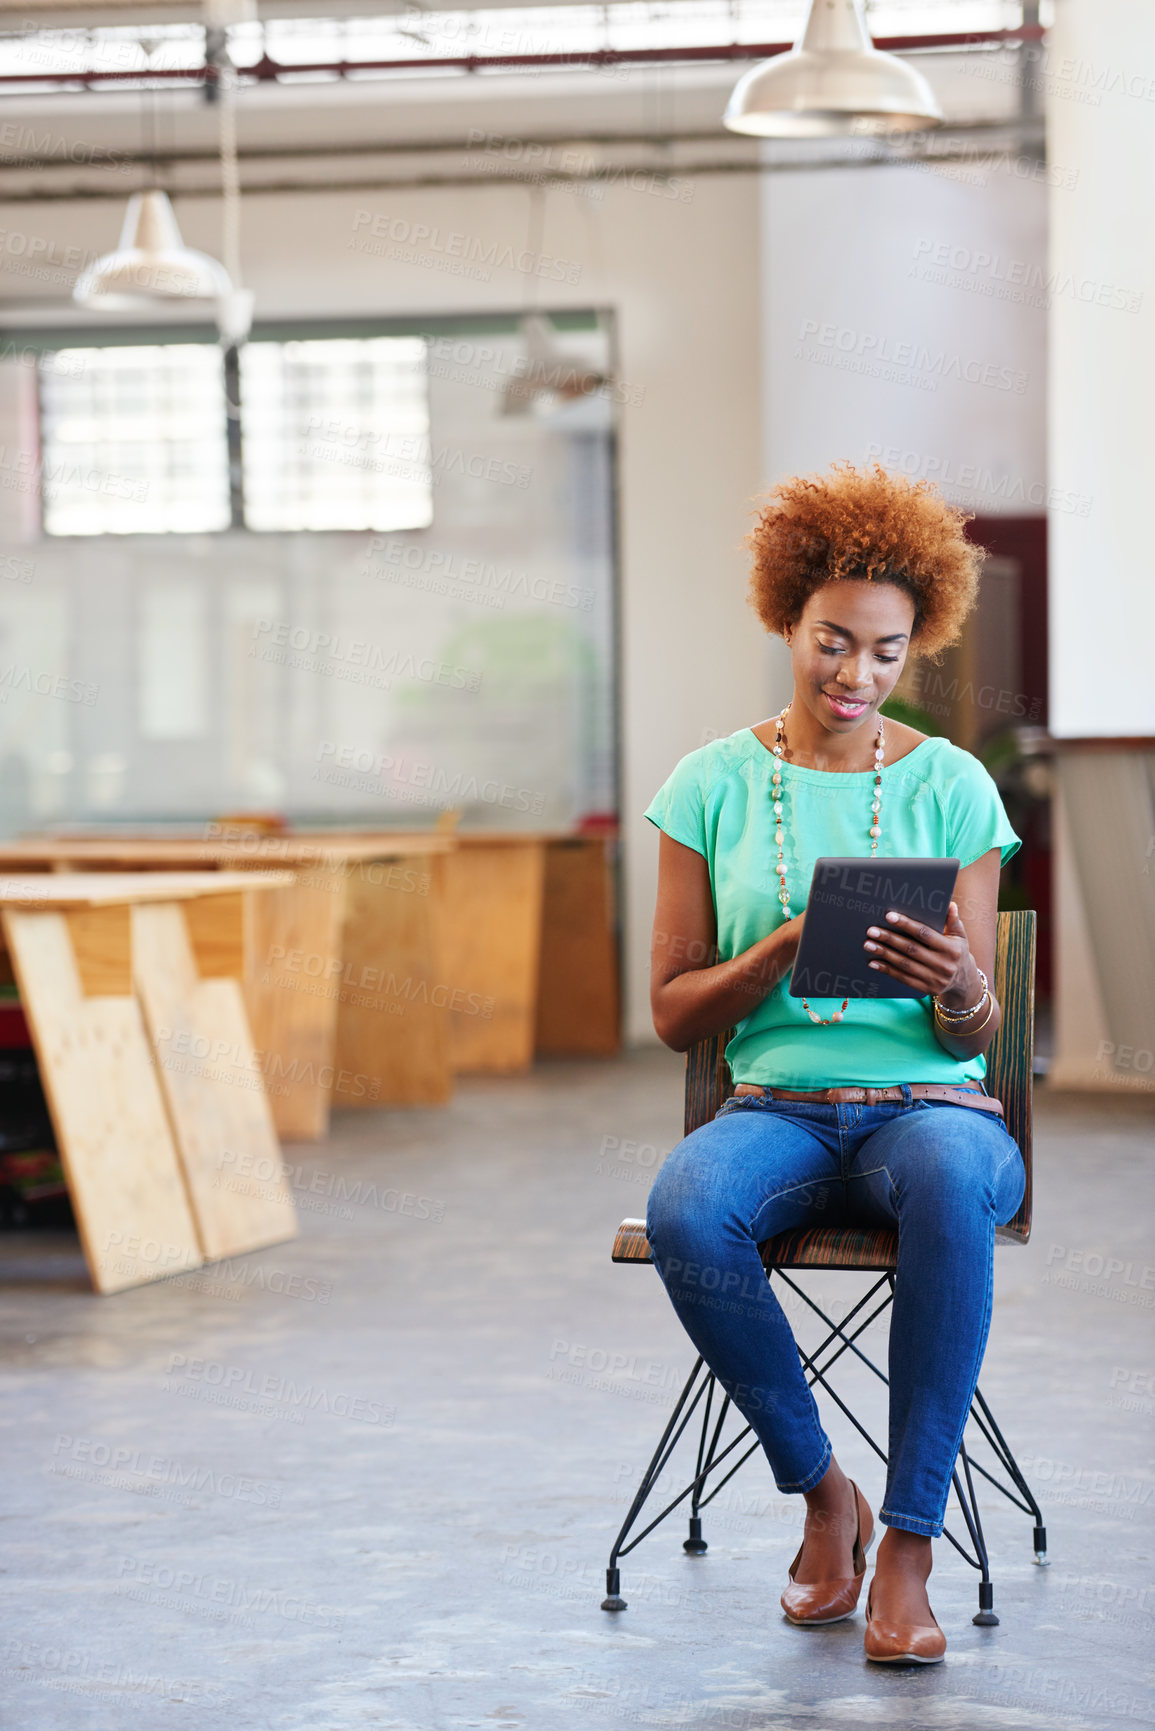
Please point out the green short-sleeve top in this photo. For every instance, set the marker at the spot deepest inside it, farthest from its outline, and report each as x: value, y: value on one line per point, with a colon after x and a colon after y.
x: 937, y: 801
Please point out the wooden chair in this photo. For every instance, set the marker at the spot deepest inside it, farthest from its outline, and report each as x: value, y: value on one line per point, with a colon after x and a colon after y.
x: 868, y: 1250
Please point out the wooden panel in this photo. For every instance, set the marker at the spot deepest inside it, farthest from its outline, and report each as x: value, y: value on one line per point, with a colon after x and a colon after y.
x: 493, y: 902
x: 1010, y: 1073
x: 291, y: 983
x: 396, y: 1003
x: 708, y: 1081
x: 631, y: 1243
x: 320, y: 846
x: 870, y: 1248
x: 216, y: 929
x: 850, y: 1247
x: 232, y: 849
x: 288, y: 945
x: 124, y: 1176
x: 104, y: 889
x: 212, y: 1083
x: 577, y: 1004
x: 102, y: 945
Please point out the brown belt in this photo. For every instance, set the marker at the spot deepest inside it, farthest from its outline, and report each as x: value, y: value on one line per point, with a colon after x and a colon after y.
x: 957, y: 1095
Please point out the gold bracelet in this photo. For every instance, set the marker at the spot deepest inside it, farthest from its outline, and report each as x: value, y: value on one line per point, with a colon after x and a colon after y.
x: 965, y: 1033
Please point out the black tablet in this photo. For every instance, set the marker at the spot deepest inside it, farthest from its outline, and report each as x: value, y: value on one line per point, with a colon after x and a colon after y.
x: 846, y: 896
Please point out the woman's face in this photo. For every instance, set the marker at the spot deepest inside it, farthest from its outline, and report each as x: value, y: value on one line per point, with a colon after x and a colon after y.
x: 850, y: 643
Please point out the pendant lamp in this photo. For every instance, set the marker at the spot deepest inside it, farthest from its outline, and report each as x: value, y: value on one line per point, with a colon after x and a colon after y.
x: 151, y: 265
x: 833, y: 81
x: 546, y: 374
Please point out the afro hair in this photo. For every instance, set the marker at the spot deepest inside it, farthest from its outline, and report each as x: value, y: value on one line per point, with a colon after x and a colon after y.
x: 868, y: 525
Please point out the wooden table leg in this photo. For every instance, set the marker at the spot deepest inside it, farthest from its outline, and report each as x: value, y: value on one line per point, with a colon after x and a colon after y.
x: 396, y: 1004
x: 124, y: 1176
x: 578, y: 1011
x: 292, y: 980
x: 493, y: 903
x: 210, y: 1076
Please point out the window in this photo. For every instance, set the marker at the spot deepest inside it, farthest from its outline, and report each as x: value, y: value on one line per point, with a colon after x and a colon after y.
x: 134, y: 441
x: 334, y: 434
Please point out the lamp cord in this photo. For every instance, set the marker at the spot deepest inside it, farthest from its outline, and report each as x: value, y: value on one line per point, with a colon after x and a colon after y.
x: 226, y: 80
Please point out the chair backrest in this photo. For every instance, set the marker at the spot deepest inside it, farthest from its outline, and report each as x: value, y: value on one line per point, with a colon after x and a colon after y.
x: 1010, y: 1055
x: 1010, y: 1073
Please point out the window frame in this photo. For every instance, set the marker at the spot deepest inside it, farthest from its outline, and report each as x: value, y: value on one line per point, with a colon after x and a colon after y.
x: 41, y: 381
x: 47, y: 340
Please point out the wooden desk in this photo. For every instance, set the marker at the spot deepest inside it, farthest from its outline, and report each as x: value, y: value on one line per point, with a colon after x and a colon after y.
x: 579, y: 995
x: 130, y: 984
x: 494, y: 896
x: 530, y: 948
x: 344, y: 973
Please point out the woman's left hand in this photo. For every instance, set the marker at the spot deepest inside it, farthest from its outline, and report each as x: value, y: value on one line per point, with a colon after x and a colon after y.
x: 934, y: 962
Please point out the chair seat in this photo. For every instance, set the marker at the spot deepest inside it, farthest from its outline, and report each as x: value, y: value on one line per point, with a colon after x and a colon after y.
x: 631, y: 1243
x: 872, y: 1247
x: 806, y: 1247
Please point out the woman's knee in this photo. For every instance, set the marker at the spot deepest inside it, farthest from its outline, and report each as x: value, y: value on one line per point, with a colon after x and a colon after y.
x: 1010, y: 1185
x: 957, y: 1172
x: 687, y: 1206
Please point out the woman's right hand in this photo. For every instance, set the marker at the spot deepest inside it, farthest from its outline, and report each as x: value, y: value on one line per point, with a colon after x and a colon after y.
x: 778, y: 950
x: 789, y: 936
x: 692, y: 994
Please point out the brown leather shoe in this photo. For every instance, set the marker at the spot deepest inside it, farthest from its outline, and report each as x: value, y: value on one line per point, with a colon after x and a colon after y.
x: 810, y: 1605
x: 903, y: 1644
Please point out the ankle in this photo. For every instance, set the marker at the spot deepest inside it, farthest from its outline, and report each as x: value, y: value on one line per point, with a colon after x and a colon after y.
x: 833, y: 1493
x: 908, y: 1552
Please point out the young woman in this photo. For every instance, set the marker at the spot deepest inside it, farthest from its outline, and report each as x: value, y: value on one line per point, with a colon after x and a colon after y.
x: 857, y: 571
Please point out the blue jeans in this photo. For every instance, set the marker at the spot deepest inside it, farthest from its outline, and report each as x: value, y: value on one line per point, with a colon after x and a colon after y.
x: 944, y: 1175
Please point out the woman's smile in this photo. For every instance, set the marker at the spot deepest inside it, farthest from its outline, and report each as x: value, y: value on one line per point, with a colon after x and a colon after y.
x: 846, y: 708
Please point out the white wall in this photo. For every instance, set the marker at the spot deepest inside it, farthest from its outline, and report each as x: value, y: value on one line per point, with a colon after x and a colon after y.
x: 904, y: 319
x: 1099, y: 76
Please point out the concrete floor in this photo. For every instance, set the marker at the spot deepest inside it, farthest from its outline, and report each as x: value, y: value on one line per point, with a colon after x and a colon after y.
x: 369, y: 1478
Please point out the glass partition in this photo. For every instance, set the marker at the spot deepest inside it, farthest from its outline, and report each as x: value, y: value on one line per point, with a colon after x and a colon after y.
x: 345, y: 676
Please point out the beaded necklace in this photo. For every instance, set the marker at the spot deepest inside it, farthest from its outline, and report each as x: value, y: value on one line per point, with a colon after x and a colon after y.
x: 875, y: 832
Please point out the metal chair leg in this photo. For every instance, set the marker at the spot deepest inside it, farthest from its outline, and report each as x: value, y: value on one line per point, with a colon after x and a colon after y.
x: 695, y: 1545
x: 700, y: 1385
x: 1002, y: 1452
x: 985, y: 1616
x: 613, y: 1600
x: 711, y: 1458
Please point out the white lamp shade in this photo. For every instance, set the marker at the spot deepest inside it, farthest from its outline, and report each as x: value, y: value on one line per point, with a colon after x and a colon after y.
x: 833, y: 81
x: 547, y: 375
x: 152, y: 264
